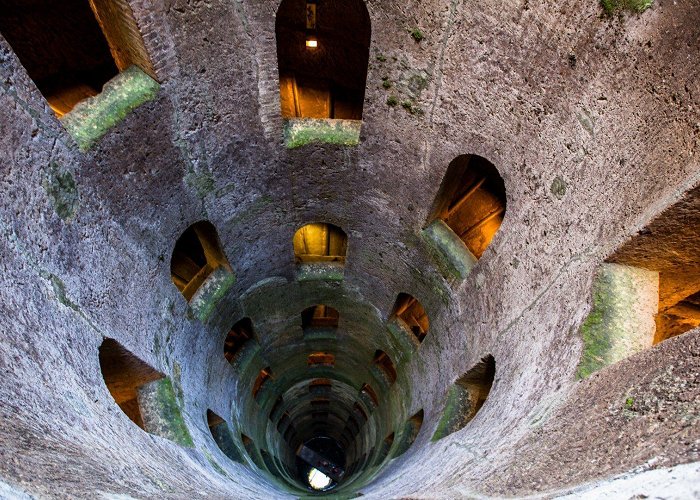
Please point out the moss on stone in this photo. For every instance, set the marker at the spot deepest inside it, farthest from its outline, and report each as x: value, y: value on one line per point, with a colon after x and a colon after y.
x: 302, y: 131
x: 60, y: 187
x: 213, y: 463
x: 456, y: 413
x: 59, y: 288
x: 417, y: 34
x: 320, y: 271
x: 211, y: 292
x: 451, y: 255
x: 247, y: 354
x: 404, y: 343
x: 638, y: 6
x: 320, y: 333
x: 161, y: 413
x: 94, y: 117
x: 201, y: 182
x: 611, y: 332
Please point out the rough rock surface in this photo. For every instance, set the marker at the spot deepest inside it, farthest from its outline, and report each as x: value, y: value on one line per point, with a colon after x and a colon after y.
x: 591, y: 148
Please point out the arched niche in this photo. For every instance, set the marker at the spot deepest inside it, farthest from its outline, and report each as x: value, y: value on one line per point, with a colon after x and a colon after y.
x: 321, y: 359
x: 319, y: 322
x: 386, y: 366
x: 144, y: 394
x: 410, y: 315
x: 320, y: 242
x: 410, y: 432
x: 240, y: 334
x: 467, y: 213
x: 466, y: 397
x: 323, y: 55
x: 197, y: 255
x: 71, y: 54
x: 263, y: 377
x: 222, y: 436
x: 648, y: 290
x: 123, y: 374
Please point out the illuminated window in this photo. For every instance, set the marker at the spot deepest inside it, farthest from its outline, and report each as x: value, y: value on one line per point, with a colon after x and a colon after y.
x: 319, y: 316
x: 320, y: 384
x: 320, y: 242
x: 318, y: 480
x: 197, y: 254
x: 323, y: 53
x: 123, y: 374
x: 237, y: 337
x: 264, y: 375
x: 471, y: 201
x: 384, y: 363
x: 71, y: 50
x: 321, y: 359
x: 466, y: 397
x: 409, y: 312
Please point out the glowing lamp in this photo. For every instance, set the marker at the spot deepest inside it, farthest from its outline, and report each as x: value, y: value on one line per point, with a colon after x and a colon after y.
x: 312, y: 43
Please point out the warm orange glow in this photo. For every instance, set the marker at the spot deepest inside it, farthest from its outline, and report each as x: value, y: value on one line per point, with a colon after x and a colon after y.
x: 312, y: 44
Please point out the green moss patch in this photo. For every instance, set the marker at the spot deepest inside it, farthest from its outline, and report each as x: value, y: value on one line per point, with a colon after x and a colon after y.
x: 302, y: 131
x: 60, y: 187
x: 638, y: 6
x: 94, y: 117
x: 211, y: 292
x: 451, y: 255
x: 621, y: 321
x: 161, y: 413
x: 457, y: 412
x: 320, y: 271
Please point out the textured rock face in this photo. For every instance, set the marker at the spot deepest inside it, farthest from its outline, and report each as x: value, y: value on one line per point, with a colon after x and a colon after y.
x: 591, y: 148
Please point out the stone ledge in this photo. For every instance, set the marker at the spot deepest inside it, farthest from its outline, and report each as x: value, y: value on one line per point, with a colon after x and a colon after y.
x: 302, y: 131
x: 320, y: 271
x: 92, y: 118
x: 161, y: 413
x: 214, y: 288
x: 450, y: 253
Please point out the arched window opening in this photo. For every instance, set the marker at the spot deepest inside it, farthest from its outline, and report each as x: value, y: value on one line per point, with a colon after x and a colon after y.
x: 368, y: 395
x: 360, y: 412
x: 648, y: 291
x: 320, y: 386
x: 410, y: 432
x: 384, y: 363
x: 72, y: 52
x: 385, y: 448
x: 320, y: 242
x: 466, y: 397
x: 251, y: 450
x: 237, y: 337
x: 196, y: 256
x: 284, y: 420
x: 318, y: 359
x: 323, y: 54
x: 319, y: 316
x: 471, y: 201
x: 276, y: 408
x: 222, y: 436
x: 412, y: 315
x: 124, y: 374
x: 269, y: 462
x: 264, y: 375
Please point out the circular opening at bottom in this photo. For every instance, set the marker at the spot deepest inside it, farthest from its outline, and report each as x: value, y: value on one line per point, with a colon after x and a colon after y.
x: 318, y: 480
